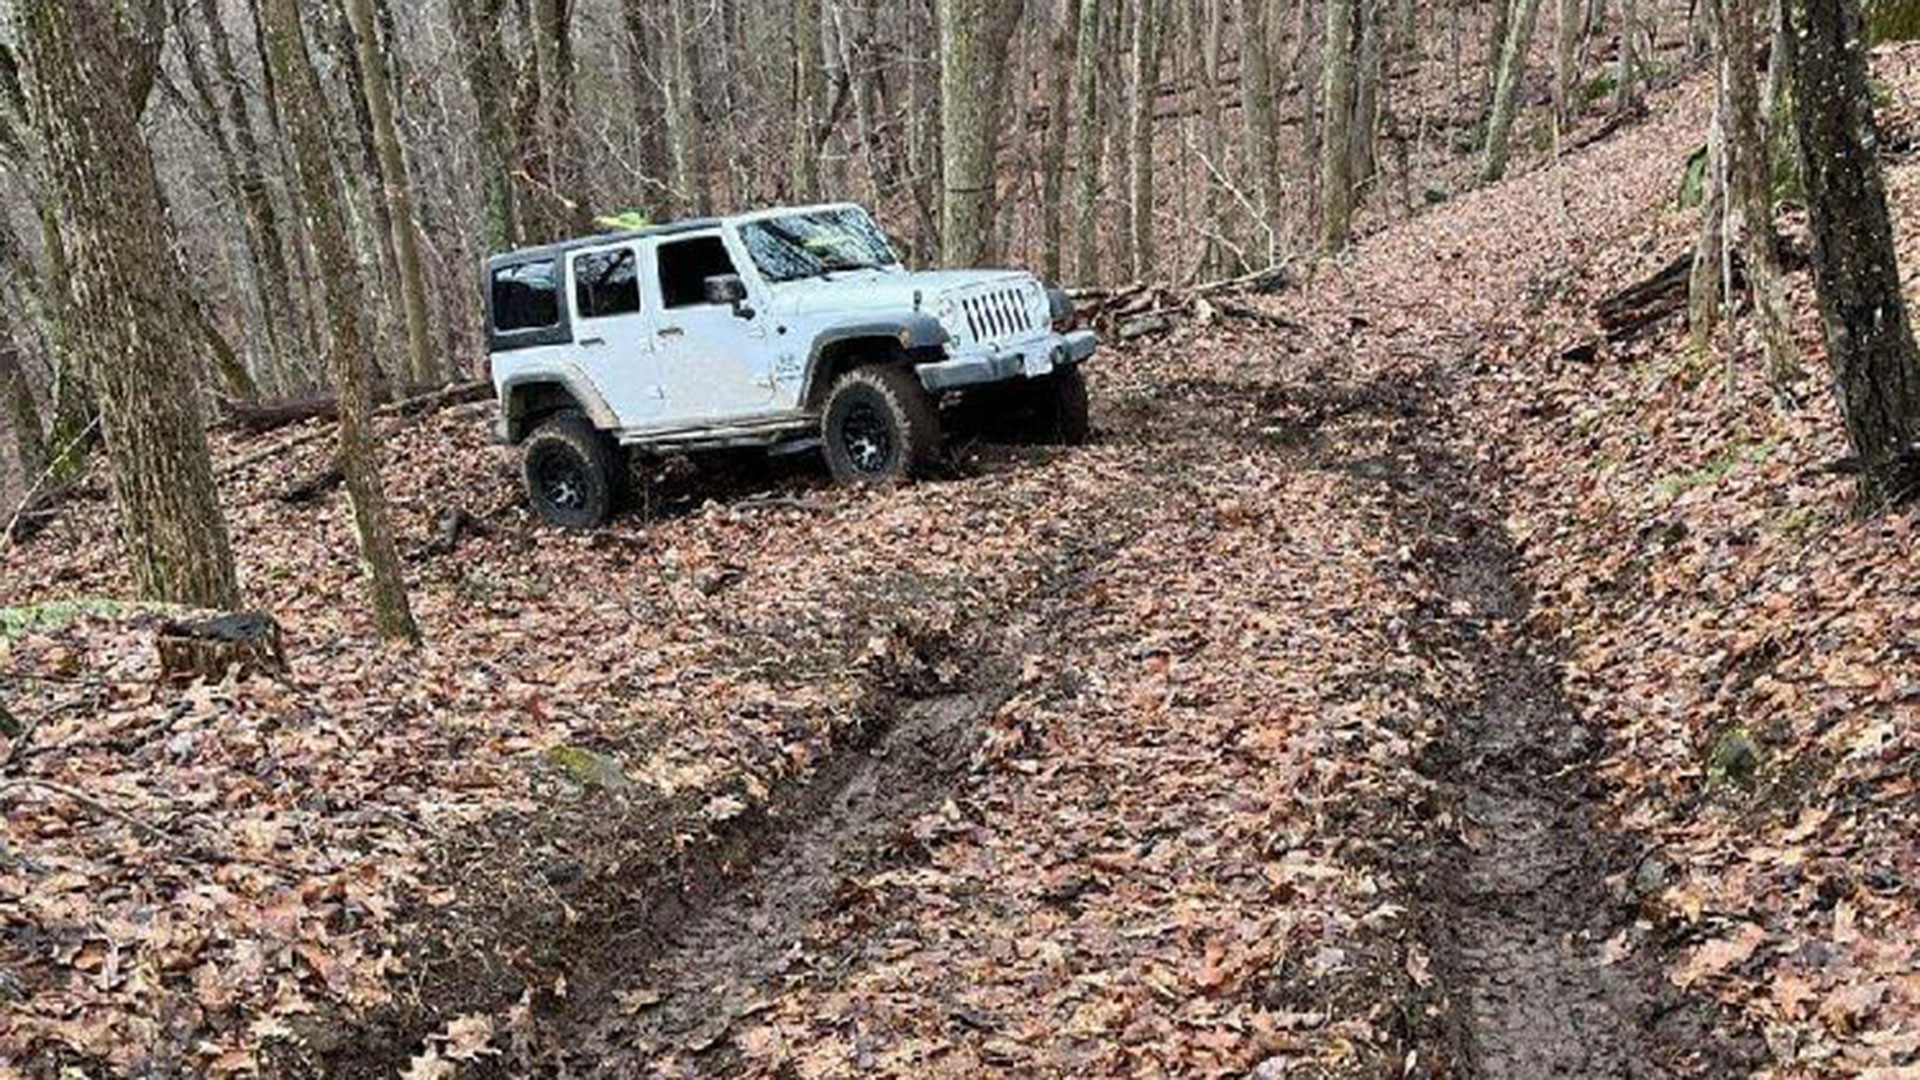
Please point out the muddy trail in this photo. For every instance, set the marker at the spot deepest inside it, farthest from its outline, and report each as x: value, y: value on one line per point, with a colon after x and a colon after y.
x: 1508, y: 892
x: 1521, y: 909
x: 703, y: 981
x: 675, y: 989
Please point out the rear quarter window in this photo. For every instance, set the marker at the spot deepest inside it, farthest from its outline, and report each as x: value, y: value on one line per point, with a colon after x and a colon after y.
x: 526, y: 297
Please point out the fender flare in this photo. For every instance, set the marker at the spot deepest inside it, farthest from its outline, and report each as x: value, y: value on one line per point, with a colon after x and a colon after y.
x: 576, y: 386
x: 913, y: 333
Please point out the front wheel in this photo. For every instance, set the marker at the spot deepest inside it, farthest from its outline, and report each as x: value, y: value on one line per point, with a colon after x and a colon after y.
x: 880, y: 425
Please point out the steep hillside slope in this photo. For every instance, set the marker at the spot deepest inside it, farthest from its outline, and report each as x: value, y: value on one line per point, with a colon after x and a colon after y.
x: 1745, y: 645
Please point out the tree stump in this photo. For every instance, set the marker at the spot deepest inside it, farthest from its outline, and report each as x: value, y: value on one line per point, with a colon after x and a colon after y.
x: 245, y: 643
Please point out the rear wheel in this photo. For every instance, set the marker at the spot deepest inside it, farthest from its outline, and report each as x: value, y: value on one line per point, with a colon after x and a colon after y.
x: 573, y: 472
x: 880, y: 424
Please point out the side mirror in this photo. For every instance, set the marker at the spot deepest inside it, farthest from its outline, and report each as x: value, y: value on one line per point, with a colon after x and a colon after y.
x: 729, y: 289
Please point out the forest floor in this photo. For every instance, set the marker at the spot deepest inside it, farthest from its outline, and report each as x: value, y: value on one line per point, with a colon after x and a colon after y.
x: 1381, y: 694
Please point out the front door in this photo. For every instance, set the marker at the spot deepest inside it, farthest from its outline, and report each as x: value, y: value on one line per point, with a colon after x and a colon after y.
x: 613, y: 333
x: 715, y: 360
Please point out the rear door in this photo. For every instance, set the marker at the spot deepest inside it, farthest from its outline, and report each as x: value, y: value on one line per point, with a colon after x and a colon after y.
x: 613, y: 331
x: 715, y: 361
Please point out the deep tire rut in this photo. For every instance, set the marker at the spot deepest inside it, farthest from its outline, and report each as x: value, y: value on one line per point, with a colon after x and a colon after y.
x: 1527, y: 910
x: 1520, y: 907
x: 706, y: 979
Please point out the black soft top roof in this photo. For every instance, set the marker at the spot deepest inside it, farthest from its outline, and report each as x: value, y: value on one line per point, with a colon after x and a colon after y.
x: 546, y: 252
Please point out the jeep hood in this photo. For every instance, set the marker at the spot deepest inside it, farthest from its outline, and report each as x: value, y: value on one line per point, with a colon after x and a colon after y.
x: 881, y: 291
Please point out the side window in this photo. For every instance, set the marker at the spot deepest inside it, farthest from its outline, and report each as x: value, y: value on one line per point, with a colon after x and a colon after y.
x: 605, y: 284
x: 525, y: 297
x: 685, y: 266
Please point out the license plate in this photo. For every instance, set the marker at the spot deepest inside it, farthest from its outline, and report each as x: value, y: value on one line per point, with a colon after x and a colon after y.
x: 1037, y: 364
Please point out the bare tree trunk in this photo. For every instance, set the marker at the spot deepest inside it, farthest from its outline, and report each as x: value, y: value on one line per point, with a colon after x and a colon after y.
x: 1506, y: 93
x: 477, y: 24
x: 1570, y: 23
x: 804, y: 173
x: 1783, y: 134
x: 1856, y: 271
x: 1704, y: 288
x: 687, y: 174
x: 923, y: 108
x: 1627, y: 78
x: 1210, y: 17
x: 370, y: 224
x: 1336, y: 155
x: 1256, y: 107
x: 1750, y: 187
x: 321, y: 201
x: 124, y: 308
x: 1312, y: 63
x: 1146, y: 84
x: 560, y: 180
x: 75, y: 405
x: 278, y: 311
x: 1086, y: 145
x: 1011, y: 141
x: 644, y: 85
x: 23, y: 414
x: 1060, y: 106
x: 973, y: 39
x: 397, y: 193
x: 1496, y: 55
x: 1371, y: 18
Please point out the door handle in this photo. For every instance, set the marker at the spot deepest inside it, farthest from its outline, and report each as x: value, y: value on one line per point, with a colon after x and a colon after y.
x: 588, y: 343
x: 671, y: 331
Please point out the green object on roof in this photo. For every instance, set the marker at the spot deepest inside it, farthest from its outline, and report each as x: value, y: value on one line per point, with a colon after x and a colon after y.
x: 625, y: 221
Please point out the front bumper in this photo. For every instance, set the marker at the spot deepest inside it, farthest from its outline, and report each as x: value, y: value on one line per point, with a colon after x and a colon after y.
x: 1029, y: 361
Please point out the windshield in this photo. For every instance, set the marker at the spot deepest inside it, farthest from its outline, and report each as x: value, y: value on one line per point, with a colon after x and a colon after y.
x: 815, y: 243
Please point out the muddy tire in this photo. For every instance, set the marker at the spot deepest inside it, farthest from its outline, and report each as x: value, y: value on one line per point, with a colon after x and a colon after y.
x: 1061, y: 413
x: 880, y: 425
x: 573, y: 472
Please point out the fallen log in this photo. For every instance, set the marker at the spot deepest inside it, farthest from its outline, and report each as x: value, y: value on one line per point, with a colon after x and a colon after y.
x: 1141, y: 297
x: 456, y: 394
x: 1613, y: 125
x: 1641, y: 306
x: 1272, y: 279
x: 245, y: 643
x: 1629, y: 312
x: 1139, y: 326
x: 258, y: 418
x: 305, y: 491
x: 1235, y: 310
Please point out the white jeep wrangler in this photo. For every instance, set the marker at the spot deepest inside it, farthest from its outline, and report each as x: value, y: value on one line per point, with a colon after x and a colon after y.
x: 774, y: 329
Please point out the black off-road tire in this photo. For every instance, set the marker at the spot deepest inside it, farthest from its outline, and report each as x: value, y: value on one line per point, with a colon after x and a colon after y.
x: 880, y: 425
x: 573, y: 472
x: 1061, y: 413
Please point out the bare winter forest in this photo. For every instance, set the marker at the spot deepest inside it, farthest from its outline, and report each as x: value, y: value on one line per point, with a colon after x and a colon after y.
x: 1464, y: 623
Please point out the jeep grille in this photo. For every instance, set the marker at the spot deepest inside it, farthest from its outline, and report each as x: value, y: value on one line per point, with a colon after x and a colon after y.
x: 998, y: 314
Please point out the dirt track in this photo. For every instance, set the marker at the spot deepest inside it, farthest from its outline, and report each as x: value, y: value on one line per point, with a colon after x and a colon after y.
x: 1496, y: 968
x: 1491, y: 949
